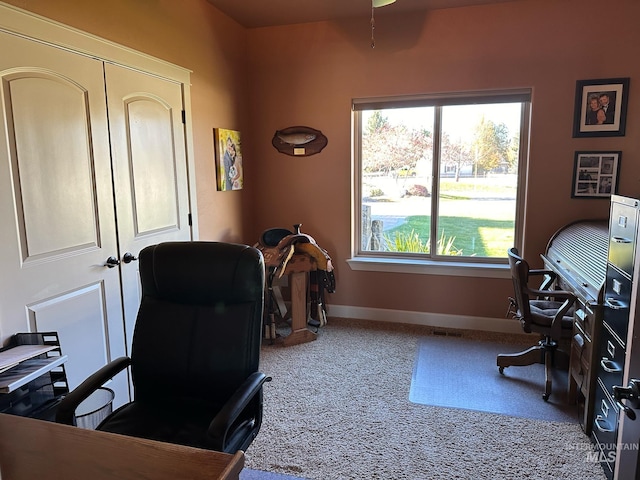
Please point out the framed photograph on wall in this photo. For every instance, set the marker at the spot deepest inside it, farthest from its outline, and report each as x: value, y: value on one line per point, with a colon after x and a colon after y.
x: 601, y: 107
x: 595, y: 174
x: 228, y: 152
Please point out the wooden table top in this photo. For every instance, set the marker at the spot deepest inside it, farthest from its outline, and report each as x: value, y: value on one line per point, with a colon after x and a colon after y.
x: 34, y: 449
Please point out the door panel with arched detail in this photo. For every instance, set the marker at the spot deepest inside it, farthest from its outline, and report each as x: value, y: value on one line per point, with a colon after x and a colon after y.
x: 56, y: 206
x: 150, y: 169
x: 93, y: 168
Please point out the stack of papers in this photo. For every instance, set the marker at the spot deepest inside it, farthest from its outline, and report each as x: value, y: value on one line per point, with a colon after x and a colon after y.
x: 13, y: 356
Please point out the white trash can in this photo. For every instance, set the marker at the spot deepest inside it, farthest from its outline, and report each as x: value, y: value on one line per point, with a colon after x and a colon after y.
x: 95, y: 408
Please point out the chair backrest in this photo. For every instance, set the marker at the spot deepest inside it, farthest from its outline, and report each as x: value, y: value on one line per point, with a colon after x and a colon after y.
x: 520, y: 276
x: 199, y: 327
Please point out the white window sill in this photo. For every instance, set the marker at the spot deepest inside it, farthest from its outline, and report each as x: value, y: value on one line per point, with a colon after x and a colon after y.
x: 430, y: 267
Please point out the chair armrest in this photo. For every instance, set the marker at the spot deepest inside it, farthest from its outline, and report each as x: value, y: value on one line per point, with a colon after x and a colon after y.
x: 226, y: 417
x: 65, y: 412
x: 541, y: 271
x: 547, y: 282
x: 556, y: 324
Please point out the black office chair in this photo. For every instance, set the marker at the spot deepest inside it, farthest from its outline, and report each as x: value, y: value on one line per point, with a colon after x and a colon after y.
x: 540, y: 310
x: 196, y: 349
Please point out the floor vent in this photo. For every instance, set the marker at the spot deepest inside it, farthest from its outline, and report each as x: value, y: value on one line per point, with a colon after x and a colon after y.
x: 444, y: 333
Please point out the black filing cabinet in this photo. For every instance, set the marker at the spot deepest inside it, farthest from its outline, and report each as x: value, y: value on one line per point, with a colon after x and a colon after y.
x: 623, y: 228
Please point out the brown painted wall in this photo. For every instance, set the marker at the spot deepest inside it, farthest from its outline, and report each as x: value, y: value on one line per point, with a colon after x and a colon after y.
x: 308, y: 74
x: 265, y: 79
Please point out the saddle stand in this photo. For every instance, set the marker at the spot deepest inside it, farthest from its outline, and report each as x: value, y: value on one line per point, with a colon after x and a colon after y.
x: 295, y: 254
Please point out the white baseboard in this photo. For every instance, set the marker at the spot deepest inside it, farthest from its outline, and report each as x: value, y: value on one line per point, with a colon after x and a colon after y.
x: 465, y: 322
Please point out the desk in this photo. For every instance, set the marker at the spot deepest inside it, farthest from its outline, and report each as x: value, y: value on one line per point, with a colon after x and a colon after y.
x: 34, y: 449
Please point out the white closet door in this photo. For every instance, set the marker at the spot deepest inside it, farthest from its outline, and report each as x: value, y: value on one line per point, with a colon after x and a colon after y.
x: 56, y: 206
x: 149, y: 167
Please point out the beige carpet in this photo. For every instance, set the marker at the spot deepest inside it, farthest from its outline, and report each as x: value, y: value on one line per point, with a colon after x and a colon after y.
x: 338, y: 408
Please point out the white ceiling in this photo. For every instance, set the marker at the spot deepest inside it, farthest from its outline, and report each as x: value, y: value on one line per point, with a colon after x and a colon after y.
x: 265, y: 13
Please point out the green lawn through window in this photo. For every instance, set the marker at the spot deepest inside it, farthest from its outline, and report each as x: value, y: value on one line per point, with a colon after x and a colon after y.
x: 481, y: 228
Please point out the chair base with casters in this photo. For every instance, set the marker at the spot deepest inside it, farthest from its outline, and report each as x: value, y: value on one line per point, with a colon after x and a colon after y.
x: 540, y: 310
x: 546, y: 352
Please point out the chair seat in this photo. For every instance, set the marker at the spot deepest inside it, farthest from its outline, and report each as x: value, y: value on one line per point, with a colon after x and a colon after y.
x: 183, y: 424
x: 543, y: 312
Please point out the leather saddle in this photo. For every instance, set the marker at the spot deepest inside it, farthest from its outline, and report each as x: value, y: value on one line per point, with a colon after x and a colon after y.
x: 278, y: 245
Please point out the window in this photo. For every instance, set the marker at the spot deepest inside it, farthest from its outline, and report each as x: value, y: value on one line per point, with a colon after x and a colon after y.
x: 440, y: 178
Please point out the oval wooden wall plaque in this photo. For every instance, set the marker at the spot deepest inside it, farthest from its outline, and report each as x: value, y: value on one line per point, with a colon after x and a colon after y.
x: 299, y: 141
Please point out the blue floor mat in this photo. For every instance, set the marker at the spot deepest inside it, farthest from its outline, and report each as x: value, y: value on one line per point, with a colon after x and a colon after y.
x: 462, y: 373
x: 248, y: 474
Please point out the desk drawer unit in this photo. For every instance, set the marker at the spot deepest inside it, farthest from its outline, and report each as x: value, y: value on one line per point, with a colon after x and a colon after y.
x: 584, y: 358
x: 581, y: 356
x: 586, y: 317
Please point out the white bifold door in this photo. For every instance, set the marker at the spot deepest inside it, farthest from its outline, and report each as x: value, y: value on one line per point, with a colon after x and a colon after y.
x: 92, y: 169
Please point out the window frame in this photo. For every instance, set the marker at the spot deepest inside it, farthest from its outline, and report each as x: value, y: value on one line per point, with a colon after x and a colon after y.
x: 436, y: 264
